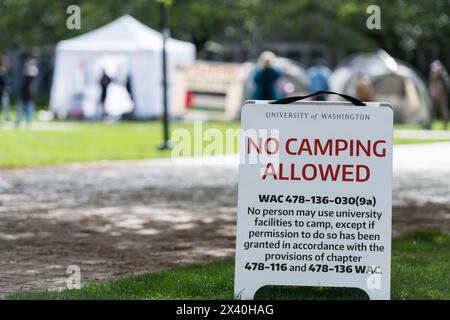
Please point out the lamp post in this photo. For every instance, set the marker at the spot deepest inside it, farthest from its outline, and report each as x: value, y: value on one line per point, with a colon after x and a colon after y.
x: 164, y: 25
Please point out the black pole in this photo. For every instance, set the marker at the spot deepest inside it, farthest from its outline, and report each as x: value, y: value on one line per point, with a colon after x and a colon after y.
x: 164, y: 17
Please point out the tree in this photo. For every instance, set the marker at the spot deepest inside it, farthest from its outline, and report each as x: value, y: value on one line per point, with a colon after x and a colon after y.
x: 406, y: 27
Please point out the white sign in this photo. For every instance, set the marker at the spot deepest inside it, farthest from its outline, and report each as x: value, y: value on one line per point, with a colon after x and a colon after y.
x: 315, y: 192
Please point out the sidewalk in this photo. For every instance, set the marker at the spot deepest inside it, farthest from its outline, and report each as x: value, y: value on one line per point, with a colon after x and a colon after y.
x: 123, y: 217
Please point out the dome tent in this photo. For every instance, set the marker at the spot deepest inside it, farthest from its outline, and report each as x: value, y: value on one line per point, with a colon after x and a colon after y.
x: 392, y: 80
x: 124, y: 45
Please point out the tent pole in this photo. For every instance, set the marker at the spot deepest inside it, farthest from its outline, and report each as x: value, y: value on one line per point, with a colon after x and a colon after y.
x: 164, y: 17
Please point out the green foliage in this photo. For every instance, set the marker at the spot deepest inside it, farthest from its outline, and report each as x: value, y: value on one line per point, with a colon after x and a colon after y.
x: 166, y: 2
x: 419, y: 271
x: 406, y: 25
x: 36, y: 24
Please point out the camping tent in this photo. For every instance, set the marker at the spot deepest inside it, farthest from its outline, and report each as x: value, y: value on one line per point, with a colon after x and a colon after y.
x: 392, y: 80
x: 130, y: 53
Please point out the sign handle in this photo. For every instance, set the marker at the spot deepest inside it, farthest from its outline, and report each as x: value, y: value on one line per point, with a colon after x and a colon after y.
x: 288, y: 100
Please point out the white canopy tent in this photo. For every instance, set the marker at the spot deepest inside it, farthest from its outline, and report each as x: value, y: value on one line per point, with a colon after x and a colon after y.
x: 125, y: 49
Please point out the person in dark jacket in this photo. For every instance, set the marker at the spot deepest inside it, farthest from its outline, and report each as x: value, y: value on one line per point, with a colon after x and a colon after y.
x: 105, y: 80
x: 25, y: 106
x: 4, y: 96
x: 318, y: 75
x: 265, y: 78
x: 439, y: 87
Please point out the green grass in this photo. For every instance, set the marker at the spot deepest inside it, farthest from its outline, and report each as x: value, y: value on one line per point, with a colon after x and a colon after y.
x: 420, y: 270
x: 66, y: 142
x: 415, y: 141
x: 437, y: 125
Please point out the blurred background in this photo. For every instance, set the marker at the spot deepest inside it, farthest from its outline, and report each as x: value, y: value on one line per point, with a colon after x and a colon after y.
x: 211, y: 68
x: 85, y: 83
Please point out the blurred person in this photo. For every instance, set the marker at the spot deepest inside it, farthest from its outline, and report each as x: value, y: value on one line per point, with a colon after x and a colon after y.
x: 128, y: 85
x: 128, y: 82
x: 75, y: 110
x: 265, y: 78
x: 105, y: 81
x: 318, y: 75
x: 439, y: 87
x: 364, y: 89
x: 4, y: 95
x: 25, y: 106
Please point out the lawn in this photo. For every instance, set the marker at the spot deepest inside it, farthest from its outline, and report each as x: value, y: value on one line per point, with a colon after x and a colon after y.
x: 437, y: 125
x: 420, y: 270
x: 66, y: 142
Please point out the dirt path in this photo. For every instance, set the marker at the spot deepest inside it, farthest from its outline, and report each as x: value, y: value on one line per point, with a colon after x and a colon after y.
x: 118, y: 218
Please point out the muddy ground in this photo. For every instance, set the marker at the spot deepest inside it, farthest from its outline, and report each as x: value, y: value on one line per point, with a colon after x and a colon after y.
x: 119, y: 218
